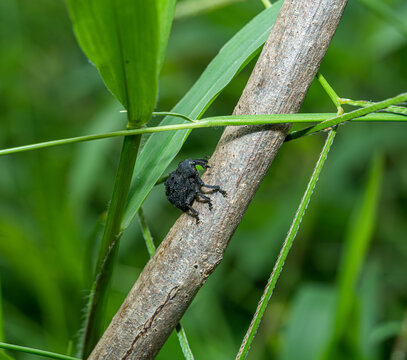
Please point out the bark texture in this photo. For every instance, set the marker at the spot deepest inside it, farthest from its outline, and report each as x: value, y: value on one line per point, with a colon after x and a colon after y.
x: 191, y: 252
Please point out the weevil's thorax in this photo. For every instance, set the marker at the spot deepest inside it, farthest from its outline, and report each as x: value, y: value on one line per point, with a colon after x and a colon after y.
x: 187, y: 168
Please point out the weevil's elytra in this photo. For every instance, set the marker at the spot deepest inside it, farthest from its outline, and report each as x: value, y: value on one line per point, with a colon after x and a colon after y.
x: 184, y: 185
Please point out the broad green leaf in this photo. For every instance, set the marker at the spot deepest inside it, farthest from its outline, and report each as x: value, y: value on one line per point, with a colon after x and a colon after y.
x: 161, y: 148
x: 122, y: 39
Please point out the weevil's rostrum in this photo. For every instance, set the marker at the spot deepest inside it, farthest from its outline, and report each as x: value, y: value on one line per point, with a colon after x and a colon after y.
x: 184, y: 185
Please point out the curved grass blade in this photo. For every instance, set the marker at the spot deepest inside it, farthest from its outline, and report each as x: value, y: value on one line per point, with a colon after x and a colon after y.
x: 160, y: 149
x: 38, y: 352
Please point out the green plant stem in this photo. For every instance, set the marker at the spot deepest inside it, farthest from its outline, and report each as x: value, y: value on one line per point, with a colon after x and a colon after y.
x: 331, y: 93
x: 267, y: 4
x: 215, y: 121
x: 393, y: 109
x: 161, y: 179
x: 36, y: 352
x: 268, y: 291
x: 109, y: 244
x: 166, y: 113
x: 182, y: 116
x: 182, y: 336
x: 146, y: 232
x: 348, y: 116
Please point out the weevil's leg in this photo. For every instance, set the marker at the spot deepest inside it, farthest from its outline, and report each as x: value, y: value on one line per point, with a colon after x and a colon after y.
x: 205, y: 158
x: 204, y: 197
x: 202, y: 162
x: 190, y: 196
x: 214, y: 187
x: 194, y: 213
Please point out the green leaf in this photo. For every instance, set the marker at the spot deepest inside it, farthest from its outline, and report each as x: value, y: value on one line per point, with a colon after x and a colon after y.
x: 122, y: 38
x: 161, y: 148
x: 33, y: 351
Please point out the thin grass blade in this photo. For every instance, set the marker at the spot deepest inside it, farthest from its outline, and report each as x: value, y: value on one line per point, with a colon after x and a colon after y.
x: 268, y: 291
x: 32, y: 351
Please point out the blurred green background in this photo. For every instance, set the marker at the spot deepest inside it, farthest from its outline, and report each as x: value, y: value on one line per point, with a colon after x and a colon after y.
x: 51, y: 200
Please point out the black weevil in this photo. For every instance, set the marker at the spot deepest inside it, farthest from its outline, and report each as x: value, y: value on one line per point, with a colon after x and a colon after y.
x: 184, y: 184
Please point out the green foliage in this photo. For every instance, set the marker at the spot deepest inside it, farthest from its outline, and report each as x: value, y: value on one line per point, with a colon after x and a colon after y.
x: 45, y: 354
x: 48, y: 216
x: 126, y: 41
